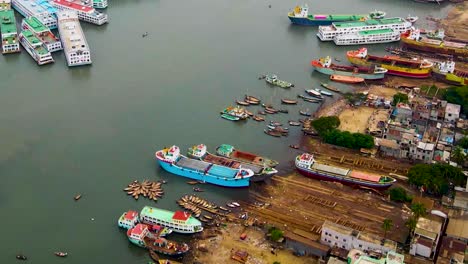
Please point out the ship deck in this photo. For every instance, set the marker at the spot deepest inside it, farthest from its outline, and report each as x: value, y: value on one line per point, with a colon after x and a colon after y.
x: 232, y: 163
x: 222, y: 171
x: 370, y: 22
x: 193, y: 164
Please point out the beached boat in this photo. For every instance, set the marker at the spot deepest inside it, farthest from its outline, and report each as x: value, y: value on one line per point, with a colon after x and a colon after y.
x: 446, y: 72
x: 230, y: 117
x: 273, y: 80
x: 328, y: 33
x: 330, y: 87
x: 307, y: 166
x: 374, y: 36
x: 300, y: 16
x: 309, y: 99
x: 43, y: 33
x: 396, y: 65
x: 35, y: 48
x: 142, y: 237
x: 326, y: 66
x: 75, y: 46
x: 10, y: 43
x: 288, y: 101
x: 436, y: 44
x: 258, y: 118
x: 235, y: 112
x: 178, y: 221
x: 346, y: 79
x: 172, y: 161
x: 229, y: 151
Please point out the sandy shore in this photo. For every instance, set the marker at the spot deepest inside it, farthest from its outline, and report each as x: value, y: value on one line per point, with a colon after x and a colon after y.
x: 456, y: 22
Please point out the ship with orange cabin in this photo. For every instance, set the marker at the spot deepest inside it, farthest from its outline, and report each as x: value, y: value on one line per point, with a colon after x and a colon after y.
x: 396, y: 65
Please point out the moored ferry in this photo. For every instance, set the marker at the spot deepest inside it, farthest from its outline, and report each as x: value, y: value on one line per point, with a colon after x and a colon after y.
x: 128, y: 219
x: 300, y: 16
x: 172, y: 161
x: 10, y: 42
x: 229, y: 151
x: 261, y: 173
x: 99, y: 3
x: 85, y: 13
x: 396, y: 65
x: 446, y: 72
x: 325, y: 66
x: 413, y: 40
x: 327, y: 33
x: 373, y: 36
x: 35, y: 48
x: 178, y: 221
x: 75, y: 46
x: 37, y: 8
x: 43, y: 33
x: 308, y: 167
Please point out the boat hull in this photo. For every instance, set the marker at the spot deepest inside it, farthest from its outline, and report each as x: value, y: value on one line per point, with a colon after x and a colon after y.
x: 329, y: 71
x: 416, y: 45
x: 302, y: 21
x: 450, y: 78
x: 395, y: 70
x: 349, y: 182
x: 200, y: 176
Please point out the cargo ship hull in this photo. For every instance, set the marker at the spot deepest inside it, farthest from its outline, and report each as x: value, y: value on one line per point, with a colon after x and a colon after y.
x: 450, y: 78
x: 345, y: 181
x: 395, y: 70
x: 304, y: 21
x: 416, y: 45
x: 367, y: 76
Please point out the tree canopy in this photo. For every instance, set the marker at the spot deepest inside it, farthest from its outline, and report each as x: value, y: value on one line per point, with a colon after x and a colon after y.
x: 458, y: 95
x: 463, y: 142
x: 400, y: 98
x: 418, y: 210
x: 348, y: 139
x: 387, y: 226
x: 399, y: 194
x: 435, y: 177
x: 325, y: 124
x: 459, y: 156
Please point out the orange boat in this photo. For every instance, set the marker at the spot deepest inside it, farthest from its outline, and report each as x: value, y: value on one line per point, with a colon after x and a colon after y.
x: 346, y: 79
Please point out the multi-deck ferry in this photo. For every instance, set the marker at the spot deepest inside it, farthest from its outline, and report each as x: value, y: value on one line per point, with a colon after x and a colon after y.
x: 75, y: 47
x: 5, y: 5
x: 179, y: 221
x: 85, y: 13
x: 40, y: 9
x: 368, y: 37
x: 10, y: 42
x: 35, y: 48
x: 43, y: 33
x: 327, y: 33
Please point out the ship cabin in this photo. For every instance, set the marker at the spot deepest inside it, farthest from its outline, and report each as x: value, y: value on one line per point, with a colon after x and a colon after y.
x: 198, y: 151
x: 99, y: 3
x: 42, y: 32
x: 138, y: 233
x: 5, y: 5
x: 169, y: 155
x: 179, y: 221
x: 128, y: 219
x: 85, y: 13
x: 305, y: 160
x: 10, y: 43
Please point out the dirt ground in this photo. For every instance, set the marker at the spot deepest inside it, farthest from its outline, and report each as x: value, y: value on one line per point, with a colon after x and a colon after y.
x: 355, y: 119
x: 383, y: 91
x: 219, y: 248
x: 332, y: 109
x: 456, y: 22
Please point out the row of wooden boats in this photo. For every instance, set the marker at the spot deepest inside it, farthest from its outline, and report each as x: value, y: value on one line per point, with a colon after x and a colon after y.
x: 198, y: 201
x: 149, y: 189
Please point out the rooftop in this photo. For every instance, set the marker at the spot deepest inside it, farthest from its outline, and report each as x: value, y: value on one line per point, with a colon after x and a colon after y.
x: 371, y: 238
x: 388, y: 143
x: 426, y: 146
x: 74, y: 6
x: 139, y: 229
x: 370, y: 22
x: 181, y: 216
x: 34, y: 7
x: 130, y: 215
x: 429, y: 226
x: 337, y: 228
x: 457, y: 228
x: 461, y: 200
x: 8, y: 22
x: 375, y: 31
x: 310, y: 243
x: 35, y: 24
x: 452, y: 109
x: 71, y: 33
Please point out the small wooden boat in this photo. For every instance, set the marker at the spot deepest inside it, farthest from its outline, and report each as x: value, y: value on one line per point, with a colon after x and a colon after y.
x: 288, y: 101
x: 261, y: 113
x: 249, y: 113
x: 268, y: 111
x: 324, y: 92
x: 192, y: 182
x: 252, y: 102
x: 273, y: 134
x: 231, y: 205
x: 154, y: 256
x: 285, y: 111
x: 223, y: 208
x: 309, y: 99
x: 236, y: 204
x: 77, y: 197
x: 21, y: 257
x: 242, y: 103
x: 281, y: 130
x: 304, y: 113
x: 61, y: 254
x: 314, y: 93
x: 278, y: 128
x: 203, y: 220
x: 294, y: 146
x: 208, y: 217
x: 230, y: 117
x: 329, y: 87
x: 294, y: 123
x: 196, y: 189
x: 273, y: 123
x: 252, y: 98
x: 258, y: 118
x: 346, y: 79
x: 412, y: 19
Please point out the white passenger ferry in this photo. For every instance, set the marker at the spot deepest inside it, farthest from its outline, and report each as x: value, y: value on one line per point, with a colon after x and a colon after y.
x: 327, y: 33
x: 9, y: 34
x: 73, y: 40
x: 35, y: 48
x: 40, y: 9
x: 85, y: 13
x: 368, y: 37
x: 43, y: 33
x: 179, y: 221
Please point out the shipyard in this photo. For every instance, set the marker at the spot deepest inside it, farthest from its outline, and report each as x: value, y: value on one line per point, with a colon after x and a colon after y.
x: 273, y: 133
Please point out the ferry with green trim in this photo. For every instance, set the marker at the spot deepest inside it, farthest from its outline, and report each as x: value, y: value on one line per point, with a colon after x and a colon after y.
x: 328, y: 33
x: 50, y: 41
x: 35, y: 48
x: 10, y: 42
x: 178, y: 221
x: 374, y: 36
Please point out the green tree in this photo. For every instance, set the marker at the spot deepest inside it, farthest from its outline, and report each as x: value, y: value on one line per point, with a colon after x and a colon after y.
x: 418, y: 210
x: 387, y: 226
x: 458, y: 155
x: 463, y: 142
x: 275, y: 234
x: 458, y: 95
x: 325, y: 124
x: 435, y: 177
x: 399, y: 194
x: 400, y: 98
x: 411, y: 224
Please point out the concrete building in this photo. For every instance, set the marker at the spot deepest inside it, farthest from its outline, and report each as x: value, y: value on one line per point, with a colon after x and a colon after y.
x: 356, y: 256
x: 422, y: 151
x: 305, y: 246
x: 402, y: 113
x: 452, y: 251
x: 388, y: 147
x: 426, y: 236
x: 458, y: 228
x: 336, y: 235
x: 452, y: 113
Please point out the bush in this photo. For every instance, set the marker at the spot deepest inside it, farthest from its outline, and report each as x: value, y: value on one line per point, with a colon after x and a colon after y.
x: 436, y: 177
x: 275, y: 234
x: 463, y: 142
x: 348, y: 140
x: 458, y: 95
x: 399, y: 194
x: 400, y: 98
x: 324, y: 124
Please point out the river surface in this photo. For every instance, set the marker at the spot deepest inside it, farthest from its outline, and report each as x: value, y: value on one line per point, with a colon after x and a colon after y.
x: 92, y: 130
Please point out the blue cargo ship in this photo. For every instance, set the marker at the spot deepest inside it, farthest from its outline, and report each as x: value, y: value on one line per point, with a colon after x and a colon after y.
x: 172, y: 161
x: 300, y: 16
